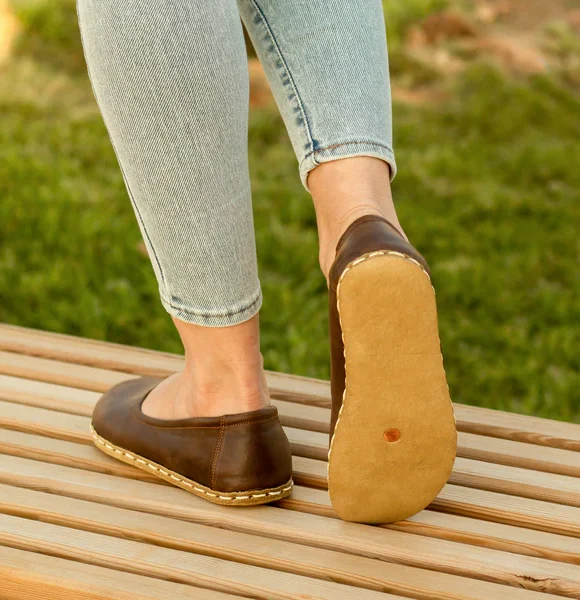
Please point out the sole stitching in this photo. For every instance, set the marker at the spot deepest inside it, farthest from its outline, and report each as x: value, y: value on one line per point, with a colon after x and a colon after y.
x: 348, y: 267
x: 101, y: 441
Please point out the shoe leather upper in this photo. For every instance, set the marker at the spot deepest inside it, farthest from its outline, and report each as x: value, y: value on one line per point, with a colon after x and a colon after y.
x: 231, y: 453
x: 366, y: 234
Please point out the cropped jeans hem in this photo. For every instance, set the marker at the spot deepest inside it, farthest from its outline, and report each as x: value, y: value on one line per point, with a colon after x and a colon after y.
x: 346, y: 149
x: 224, y: 317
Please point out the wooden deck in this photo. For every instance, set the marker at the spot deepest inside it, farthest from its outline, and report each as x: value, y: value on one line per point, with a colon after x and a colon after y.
x: 75, y: 524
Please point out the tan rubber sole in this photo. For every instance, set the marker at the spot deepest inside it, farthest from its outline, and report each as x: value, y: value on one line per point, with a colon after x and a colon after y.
x: 395, y: 441
x: 245, y: 498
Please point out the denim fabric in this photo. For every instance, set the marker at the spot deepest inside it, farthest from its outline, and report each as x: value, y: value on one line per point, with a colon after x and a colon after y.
x: 171, y: 81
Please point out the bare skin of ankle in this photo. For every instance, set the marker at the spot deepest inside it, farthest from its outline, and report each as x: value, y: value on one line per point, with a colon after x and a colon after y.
x: 223, y: 374
x: 344, y: 190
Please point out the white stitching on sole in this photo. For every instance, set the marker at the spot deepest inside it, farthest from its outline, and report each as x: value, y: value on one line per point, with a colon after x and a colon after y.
x: 97, y: 438
x: 348, y: 267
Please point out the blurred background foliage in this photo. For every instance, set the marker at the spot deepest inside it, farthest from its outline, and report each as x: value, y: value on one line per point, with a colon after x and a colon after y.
x: 487, y: 129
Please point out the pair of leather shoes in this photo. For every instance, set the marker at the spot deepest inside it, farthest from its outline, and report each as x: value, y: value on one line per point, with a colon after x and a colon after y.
x: 393, y: 437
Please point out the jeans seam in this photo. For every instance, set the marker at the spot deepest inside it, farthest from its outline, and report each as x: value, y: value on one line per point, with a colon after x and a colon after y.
x: 129, y: 191
x: 138, y: 213
x: 290, y: 77
x: 228, y: 313
x: 331, y: 147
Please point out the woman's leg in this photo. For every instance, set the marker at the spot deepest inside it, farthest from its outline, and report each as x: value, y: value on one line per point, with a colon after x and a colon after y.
x: 171, y: 81
x: 342, y: 191
x: 393, y: 437
x: 328, y: 68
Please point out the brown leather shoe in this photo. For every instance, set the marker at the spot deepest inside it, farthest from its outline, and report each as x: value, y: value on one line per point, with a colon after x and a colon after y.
x: 238, y: 460
x: 393, y: 437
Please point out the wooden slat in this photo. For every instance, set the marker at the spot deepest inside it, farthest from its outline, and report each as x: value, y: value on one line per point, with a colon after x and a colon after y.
x: 287, y: 387
x: 249, y: 549
x: 33, y: 576
x: 70, y: 454
x: 313, y: 444
x: 453, y: 499
x: 303, y: 416
x: 45, y: 422
x: 491, y: 535
x: 62, y: 373
x: 478, y: 474
x: 106, y: 355
x: 495, y: 478
x: 468, y: 473
x: 519, y: 454
x: 48, y: 395
x: 312, y: 530
x: 81, y: 402
x: 520, y: 428
x: 478, y: 504
x: 516, y: 482
x: 511, y: 510
x: 507, y: 452
x: 432, y: 524
x: 140, y: 361
x: 310, y: 418
x: 482, y: 489
x: 175, y: 565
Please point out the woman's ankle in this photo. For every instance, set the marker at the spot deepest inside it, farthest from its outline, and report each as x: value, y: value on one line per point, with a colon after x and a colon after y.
x: 344, y: 190
x: 227, y: 388
x: 206, y: 394
x: 223, y: 374
x: 330, y: 233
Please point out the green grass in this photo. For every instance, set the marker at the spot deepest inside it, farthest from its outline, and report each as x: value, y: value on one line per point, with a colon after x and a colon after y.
x: 488, y: 189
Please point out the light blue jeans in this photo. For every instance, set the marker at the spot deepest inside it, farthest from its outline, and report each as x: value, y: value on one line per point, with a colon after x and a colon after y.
x: 171, y: 81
